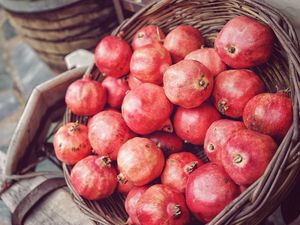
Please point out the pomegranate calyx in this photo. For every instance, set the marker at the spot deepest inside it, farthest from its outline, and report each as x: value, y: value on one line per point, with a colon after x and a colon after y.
x: 140, y: 35
x: 222, y: 105
x: 104, y: 161
x: 190, y: 167
x: 237, y: 158
x: 167, y: 126
x: 176, y: 211
x: 122, y: 179
x: 203, y: 82
x: 210, y: 147
x: 231, y: 49
x: 75, y: 127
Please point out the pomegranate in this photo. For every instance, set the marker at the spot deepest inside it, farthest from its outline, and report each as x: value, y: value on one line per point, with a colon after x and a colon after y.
x: 150, y: 34
x: 162, y: 205
x: 94, y: 178
x: 191, y: 124
x: 146, y: 108
x: 133, y: 82
x: 108, y: 132
x: 246, y: 155
x: 85, y: 97
x: 209, y: 190
x: 178, y: 168
x: 183, y: 40
x: 116, y: 90
x: 112, y: 56
x: 71, y: 143
x: 233, y: 89
x: 140, y: 161
x: 209, y: 58
x: 244, y: 42
x: 188, y: 83
x: 217, y: 136
x: 243, y: 188
x: 125, y: 187
x: 269, y: 113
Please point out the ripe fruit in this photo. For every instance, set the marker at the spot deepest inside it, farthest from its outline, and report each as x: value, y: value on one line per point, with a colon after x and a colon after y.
x: 209, y: 190
x: 116, y: 90
x: 269, y: 113
x: 133, y: 82
x: 140, y: 161
x: 209, y: 58
x: 161, y: 204
x: 188, y: 83
x: 217, y: 136
x: 71, y: 143
x: 150, y: 34
x: 244, y: 42
x: 183, y: 40
x: 125, y: 187
x: 246, y: 156
x: 178, y: 168
x: 191, y: 124
x: 149, y: 63
x: 108, y: 132
x: 112, y: 56
x: 94, y: 178
x: 146, y: 108
x: 85, y: 97
x: 233, y: 89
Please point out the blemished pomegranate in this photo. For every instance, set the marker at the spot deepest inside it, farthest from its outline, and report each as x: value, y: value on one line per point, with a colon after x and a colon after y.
x: 140, y: 161
x: 183, y: 40
x: 71, y: 143
x: 107, y: 132
x: 149, y: 63
x: 244, y: 42
x: 116, y: 89
x: 162, y: 205
x: 217, y: 136
x: 146, y: 108
x: 269, y: 113
x: 178, y: 168
x: 188, y: 83
x: 150, y: 34
x: 94, y: 177
x: 112, y: 56
x: 133, y: 82
x: 233, y: 89
x: 209, y: 190
x: 246, y: 155
x: 85, y: 97
x: 191, y: 124
x: 209, y: 58
x: 125, y: 187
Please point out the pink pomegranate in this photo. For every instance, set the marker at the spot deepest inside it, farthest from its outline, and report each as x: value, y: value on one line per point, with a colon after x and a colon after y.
x: 188, y: 83
x: 233, y: 89
x: 209, y: 190
x: 112, y: 56
x: 133, y: 82
x: 244, y: 42
x: 125, y: 187
x: 246, y: 155
x: 191, y: 124
x: 209, y: 58
x: 85, y: 97
x: 146, y: 108
x: 150, y: 34
x: 94, y: 178
x: 183, y: 40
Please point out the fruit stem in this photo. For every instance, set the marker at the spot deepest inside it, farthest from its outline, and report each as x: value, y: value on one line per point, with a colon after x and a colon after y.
x: 189, y: 168
x: 237, y: 158
x: 121, y: 179
x: 176, y: 211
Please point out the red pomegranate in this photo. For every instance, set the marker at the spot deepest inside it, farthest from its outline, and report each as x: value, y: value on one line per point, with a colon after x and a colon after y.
x: 71, y: 143
x: 133, y: 82
x: 94, y: 178
x: 183, y: 40
x: 85, y: 97
x: 108, y: 132
x: 150, y: 34
x: 146, y: 108
x: 217, y: 136
x: 125, y: 187
x: 209, y: 58
x: 209, y: 190
x: 112, y: 56
x: 188, y: 83
x: 161, y: 204
x: 178, y: 168
x: 233, y: 89
x: 246, y: 155
x: 140, y: 161
x: 116, y: 90
x: 269, y: 113
x: 244, y: 42
x: 191, y: 124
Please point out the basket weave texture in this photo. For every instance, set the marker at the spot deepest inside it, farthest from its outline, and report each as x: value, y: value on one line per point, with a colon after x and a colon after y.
x: 280, y: 73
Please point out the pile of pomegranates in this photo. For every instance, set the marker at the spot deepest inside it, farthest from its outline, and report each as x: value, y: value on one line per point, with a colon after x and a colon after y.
x: 161, y: 95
